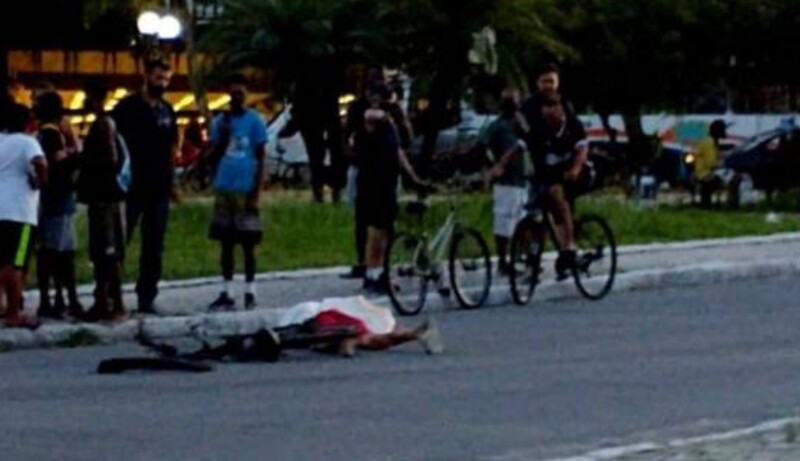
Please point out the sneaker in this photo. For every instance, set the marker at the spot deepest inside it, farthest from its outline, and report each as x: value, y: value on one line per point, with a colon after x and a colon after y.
x: 356, y: 272
x: 564, y: 264
x: 223, y: 303
x: 249, y: 302
x: 147, y: 309
x: 379, y: 287
x: 370, y: 288
x: 431, y: 338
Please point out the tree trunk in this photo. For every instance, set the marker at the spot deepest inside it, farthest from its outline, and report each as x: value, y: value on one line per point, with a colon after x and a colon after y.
x: 195, y: 68
x: 337, y: 176
x: 605, y: 120
x: 639, y: 152
x: 445, y: 84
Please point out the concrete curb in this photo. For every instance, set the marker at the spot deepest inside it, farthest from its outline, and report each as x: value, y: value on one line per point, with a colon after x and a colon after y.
x: 302, y: 274
x: 61, y: 335
x: 628, y: 452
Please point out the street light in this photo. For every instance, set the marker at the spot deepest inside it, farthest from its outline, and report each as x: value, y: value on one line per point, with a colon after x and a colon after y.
x: 166, y: 27
x: 148, y: 23
x: 169, y: 28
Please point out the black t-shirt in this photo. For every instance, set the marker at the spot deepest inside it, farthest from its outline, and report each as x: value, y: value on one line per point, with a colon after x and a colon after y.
x: 151, y: 133
x: 379, y: 164
x: 532, y: 110
x: 355, y: 124
x: 553, y: 153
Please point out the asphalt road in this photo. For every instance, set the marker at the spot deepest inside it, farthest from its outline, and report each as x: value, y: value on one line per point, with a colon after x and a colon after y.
x: 551, y: 380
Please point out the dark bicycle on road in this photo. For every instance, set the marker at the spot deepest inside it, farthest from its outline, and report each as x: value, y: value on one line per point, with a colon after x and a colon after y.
x: 595, y: 265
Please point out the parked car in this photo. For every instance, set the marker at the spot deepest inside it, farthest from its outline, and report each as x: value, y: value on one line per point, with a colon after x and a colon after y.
x: 455, y: 149
x: 771, y: 159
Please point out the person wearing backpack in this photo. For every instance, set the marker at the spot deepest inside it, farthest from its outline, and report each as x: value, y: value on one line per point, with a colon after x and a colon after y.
x: 239, y: 139
x: 102, y: 187
x: 55, y: 258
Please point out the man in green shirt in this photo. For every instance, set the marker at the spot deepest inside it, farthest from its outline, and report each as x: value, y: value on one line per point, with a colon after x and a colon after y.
x: 510, y: 173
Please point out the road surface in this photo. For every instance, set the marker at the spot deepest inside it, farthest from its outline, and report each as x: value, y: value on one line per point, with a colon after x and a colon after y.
x: 553, y: 379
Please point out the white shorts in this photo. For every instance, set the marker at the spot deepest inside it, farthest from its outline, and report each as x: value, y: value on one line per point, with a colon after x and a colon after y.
x: 509, y: 209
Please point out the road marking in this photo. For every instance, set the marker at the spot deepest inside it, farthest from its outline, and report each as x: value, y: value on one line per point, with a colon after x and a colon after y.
x: 609, y: 454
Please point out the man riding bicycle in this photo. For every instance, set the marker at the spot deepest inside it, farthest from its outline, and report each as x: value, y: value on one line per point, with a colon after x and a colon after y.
x: 559, y: 151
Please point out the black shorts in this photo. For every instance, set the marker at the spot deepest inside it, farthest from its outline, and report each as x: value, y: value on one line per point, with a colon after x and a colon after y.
x: 16, y: 244
x: 376, y: 209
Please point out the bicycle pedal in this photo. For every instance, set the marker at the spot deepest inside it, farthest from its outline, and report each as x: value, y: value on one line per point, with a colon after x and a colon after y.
x: 445, y: 292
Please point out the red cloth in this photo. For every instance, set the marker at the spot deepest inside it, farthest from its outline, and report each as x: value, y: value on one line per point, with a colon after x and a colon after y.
x: 333, y: 319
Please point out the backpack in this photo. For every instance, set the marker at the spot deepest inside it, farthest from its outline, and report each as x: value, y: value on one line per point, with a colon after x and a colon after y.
x: 124, y: 172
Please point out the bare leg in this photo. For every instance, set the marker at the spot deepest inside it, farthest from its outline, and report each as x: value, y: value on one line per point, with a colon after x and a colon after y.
x: 12, y: 281
x: 427, y: 334
x: 387, y: 341
x: 378, y: 242
x: 563, y: 216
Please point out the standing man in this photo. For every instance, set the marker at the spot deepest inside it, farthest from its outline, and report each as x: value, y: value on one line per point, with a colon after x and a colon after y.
x: 510, y: 172
x: 147, y: 123
x: 708, y: 160
x: 23, y: 171
x: 380, y: 160
x: 239, y: 138
x: 355, y: 134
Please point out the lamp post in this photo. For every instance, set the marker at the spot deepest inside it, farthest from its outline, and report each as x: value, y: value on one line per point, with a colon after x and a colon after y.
x: 161, y: 26
x: 157, y: 28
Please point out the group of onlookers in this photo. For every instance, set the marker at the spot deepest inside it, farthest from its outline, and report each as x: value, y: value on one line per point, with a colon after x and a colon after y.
x: 123, y: 172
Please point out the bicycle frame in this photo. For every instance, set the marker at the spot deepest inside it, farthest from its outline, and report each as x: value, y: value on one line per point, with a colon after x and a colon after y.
x: 440, y: 243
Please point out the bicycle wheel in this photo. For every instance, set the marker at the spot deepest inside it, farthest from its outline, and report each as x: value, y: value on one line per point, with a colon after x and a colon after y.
x: 408, y: 267
x: 527, y: 245
x: 470, y: 269
x: 596, y: 262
